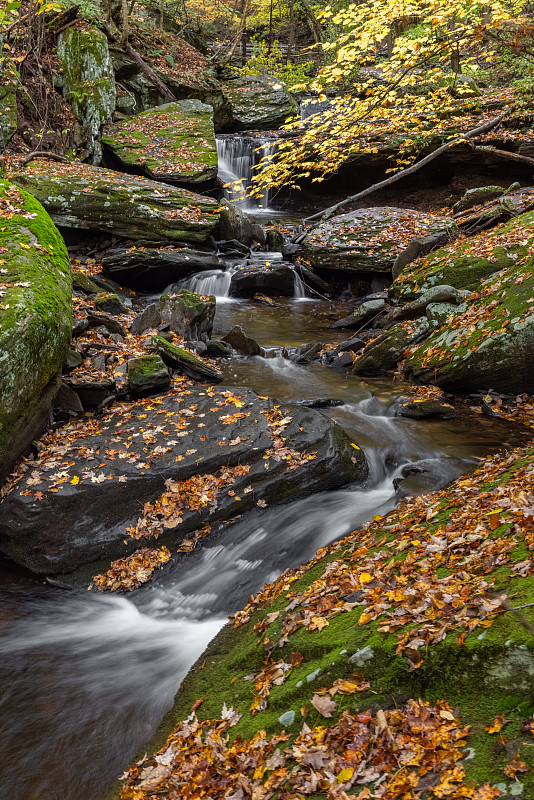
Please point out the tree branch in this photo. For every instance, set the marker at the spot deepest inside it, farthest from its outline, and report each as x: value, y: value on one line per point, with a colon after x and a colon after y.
x: 149, y: 72
x: 503, y: 154
x: 329, y: 212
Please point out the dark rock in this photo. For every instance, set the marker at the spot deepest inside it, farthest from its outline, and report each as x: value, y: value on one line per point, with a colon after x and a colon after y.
x: 385, y: 352
x: 42, y: 537
x: 147, y: 374
x: 435, y: 294
x: 151, y: 269
x: 359, y: 318
x: 199, y: 348
x: 321, y: 402
x: 355, y: 344
x: 167, y: 335
x: 289, y: 250
x: 258, y: 233
x: 274, y: 239
x: 79, y: 327
x: 218, y: 349
x: 149, y: 317
x: 187, y: 314
x: 73, y: 359
x: 92, y: 393
x: 242, y: 343
x: 110, y: 323
x: 259, y: 102
x: 120, y: 378
x: 424, y: 409
x: 68, y: 400
x: 110, y: 304
x: 233, y: 246
x: 111, y: 287
x: 308, y: 354
x: 342, y: 360
x: 234, y: 225
x: 186, y: 362
x: 273, y: 279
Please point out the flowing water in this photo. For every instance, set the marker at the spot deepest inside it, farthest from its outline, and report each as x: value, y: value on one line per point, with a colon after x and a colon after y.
x: 86, y: 678
x: 239, y: 157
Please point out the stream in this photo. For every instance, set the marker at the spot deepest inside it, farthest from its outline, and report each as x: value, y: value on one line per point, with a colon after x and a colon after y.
x: 86, y: 678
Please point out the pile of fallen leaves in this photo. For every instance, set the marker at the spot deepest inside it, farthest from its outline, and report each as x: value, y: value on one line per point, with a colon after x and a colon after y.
x: 410, y: 752
x: 198, y: 491
x: 130, y: 573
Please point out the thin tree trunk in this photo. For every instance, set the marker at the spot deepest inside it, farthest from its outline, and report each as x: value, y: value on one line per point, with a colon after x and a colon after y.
x: 125, y: 27
x: 291, y: 42
x: 242, y: 25
x: 329, y: 212
x: 270, y: 26
x: 313, y: 23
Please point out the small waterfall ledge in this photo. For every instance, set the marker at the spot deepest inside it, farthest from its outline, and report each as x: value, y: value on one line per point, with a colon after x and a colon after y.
x: 239, y: 158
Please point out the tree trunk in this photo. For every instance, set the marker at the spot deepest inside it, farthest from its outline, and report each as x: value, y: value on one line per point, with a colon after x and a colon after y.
x: 149, y: 72
x: 291, y: 42
x: 242, y: 26
x: 313, y: 23
x: 125, y: 27
x: 329, y: 212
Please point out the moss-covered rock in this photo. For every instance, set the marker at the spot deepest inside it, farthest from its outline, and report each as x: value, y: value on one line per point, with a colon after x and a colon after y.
x: 88, y: 80
x: 369, y: 239
x: 81, y: 196
x: 408, y: 607
x: 35, y: 319
x: 259, y: 102
x: 174, y: 142
x: 188, y: 314
x: 384, y: 353
x: 8, y: 104
x: 148, y: 374
x: 186, y: 362
x: 487, y: 341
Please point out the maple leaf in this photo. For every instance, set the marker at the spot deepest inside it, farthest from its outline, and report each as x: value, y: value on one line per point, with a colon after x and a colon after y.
x: 324, y: 705
x: 515, y: 766
x: 498, y: 723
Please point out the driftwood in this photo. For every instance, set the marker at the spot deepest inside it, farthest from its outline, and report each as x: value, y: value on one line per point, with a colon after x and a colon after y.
x: 329, y: 212
x: 503, y: 154
x: 149, y: 72
x: 43, y: 154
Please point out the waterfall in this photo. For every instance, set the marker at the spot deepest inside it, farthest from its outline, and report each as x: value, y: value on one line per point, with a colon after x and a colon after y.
x: 299, y: 292
x: 239, y: 157
x: 215, y: 282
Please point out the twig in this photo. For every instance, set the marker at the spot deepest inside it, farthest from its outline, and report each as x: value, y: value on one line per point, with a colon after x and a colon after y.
x: 516, y: 612
x: 328, y: 212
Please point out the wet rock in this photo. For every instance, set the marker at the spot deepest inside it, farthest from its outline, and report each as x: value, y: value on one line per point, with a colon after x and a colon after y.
x: 355, y: 344
x: 438, y: 313
x: 187, y: 314
x: 321, y: 402
x: 427, y: 409
x: 275, y: 241
x: 173, y: 143
x: 233, y: 247
x: 35, y: 320
x: 79, y: 327
x: 369, y: 239
x: 308, y: 354
x: 259, y: 234
x: 475, y: 197
x: 342, y: 360
x: 384, y: 353
x: 259, y: 102
x: 234, y: 226
x: 359, y: 318
x: 275, y: 279
x: 73, y: 359
x: 149, y: 317
x: 78, y: 195
x: 110, y: 303
x: 112, y: 491
x: 110, y: 323
x: 150, y: 269
x: 148, y: 374
x: 218, y: 349
x: 242, y: 343
x: 182, y: 360
x: 199, y: 348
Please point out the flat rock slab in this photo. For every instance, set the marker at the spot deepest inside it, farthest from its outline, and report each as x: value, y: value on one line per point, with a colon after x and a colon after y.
x: 369, y: 239
x: 173, y: 143
x: 149, y: 269
x: 82, y: 196
x: 91, y: 482
x: 275, y: 280
x: 259, y: 102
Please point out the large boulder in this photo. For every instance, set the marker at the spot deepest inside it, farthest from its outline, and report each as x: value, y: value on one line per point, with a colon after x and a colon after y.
x: 487, y: 340
x: 259, y: 102
x: 234, y: 224
x: 149, y: 269
x: 81, y: 196
x: 188, y: 314
x: 88, y: 81
x: 196, y: 457
x: 35, y: 319
x: 270, y: 278
x: 369, y: 239
x: 174, y: 143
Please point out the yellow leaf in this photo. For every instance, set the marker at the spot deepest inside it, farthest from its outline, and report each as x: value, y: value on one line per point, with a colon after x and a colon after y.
x: 75, y: 480
x: 345, y: 775
x: 366, y: 577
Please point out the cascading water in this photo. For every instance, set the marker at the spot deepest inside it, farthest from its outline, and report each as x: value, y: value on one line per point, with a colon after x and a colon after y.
x: 216, y: 282
x: 239, y: 157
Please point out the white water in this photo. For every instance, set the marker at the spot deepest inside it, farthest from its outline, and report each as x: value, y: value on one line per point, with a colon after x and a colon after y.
x: 300, y: 288
x: 239, y: 157
x: 216, y: 282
